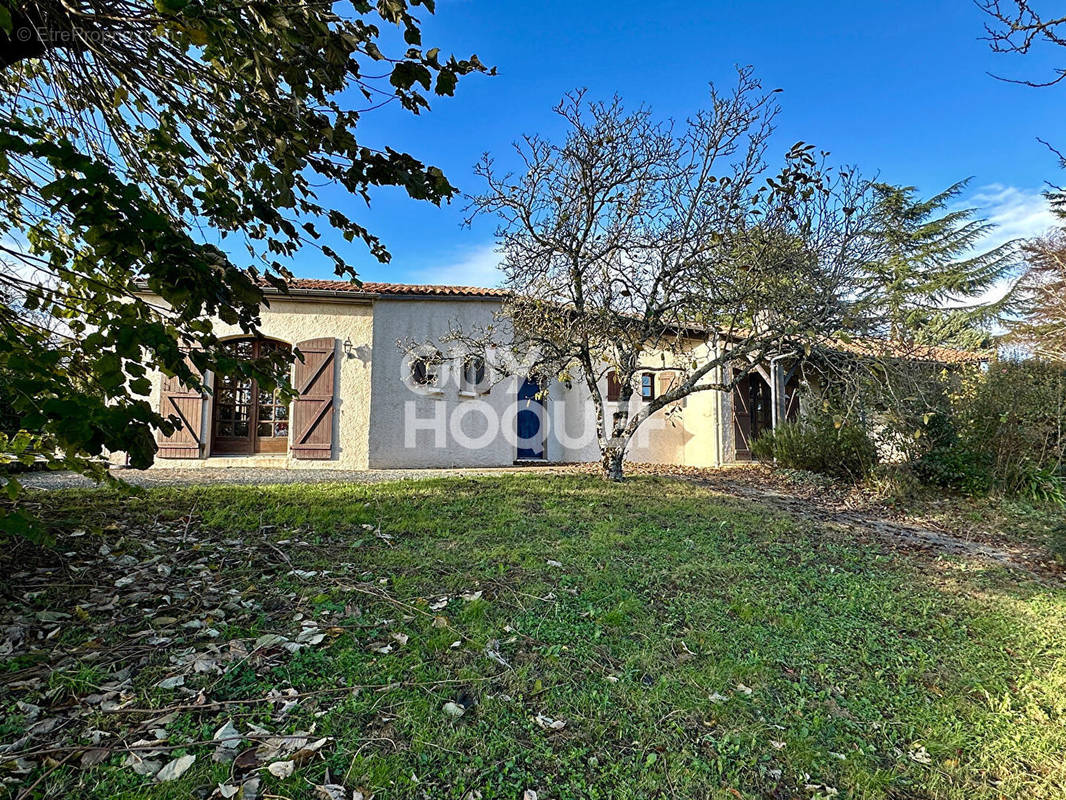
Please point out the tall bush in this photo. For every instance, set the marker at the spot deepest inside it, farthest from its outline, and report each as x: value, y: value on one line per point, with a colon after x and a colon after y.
x: 1006, y: 431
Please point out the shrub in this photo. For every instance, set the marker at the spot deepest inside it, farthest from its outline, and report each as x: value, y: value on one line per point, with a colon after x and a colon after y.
x: 819, y: 444
x: 1015, y: 414
x: 952, y: 465
x: 895, y: 484
x: 1006, y: 432
x: 1042, y: 485
x: 1057, y: 542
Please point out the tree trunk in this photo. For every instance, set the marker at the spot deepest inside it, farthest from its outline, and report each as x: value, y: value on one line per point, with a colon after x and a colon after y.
x: 612, y: 463
x: 47, y: 25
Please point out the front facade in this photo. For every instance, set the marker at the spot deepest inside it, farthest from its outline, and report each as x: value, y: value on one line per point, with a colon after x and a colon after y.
x: 367, y: 401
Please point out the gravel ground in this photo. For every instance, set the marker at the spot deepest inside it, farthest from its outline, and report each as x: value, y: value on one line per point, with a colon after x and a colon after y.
x: 257, y: 476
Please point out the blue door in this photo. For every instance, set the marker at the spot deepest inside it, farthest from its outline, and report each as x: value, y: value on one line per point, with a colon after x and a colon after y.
x: 530, y: 430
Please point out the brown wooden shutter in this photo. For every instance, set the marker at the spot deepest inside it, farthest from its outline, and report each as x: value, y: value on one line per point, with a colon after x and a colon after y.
x: 312, y: 410
x: 666, y: 382
x: 742, y: 419
x: 792, y: 395
x: 614, y: 388
x: 178, y: 400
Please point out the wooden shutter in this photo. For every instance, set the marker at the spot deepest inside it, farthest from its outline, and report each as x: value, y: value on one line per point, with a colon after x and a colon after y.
x: 792, y: 395
x: 614, y: 388
x: 742, y: 419
x: 312, y: 410
x: 666, y: 382
x: 187, y: 404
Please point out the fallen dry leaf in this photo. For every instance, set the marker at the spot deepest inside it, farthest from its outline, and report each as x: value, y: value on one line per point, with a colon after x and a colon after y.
x: 281, y: 769
x: 175, y: 769
x: 331, y: 791
x: 143, y: 766
x: 454, y: 709
x: 94, y: 756
x: 548, y: 723
x: 228, y: 736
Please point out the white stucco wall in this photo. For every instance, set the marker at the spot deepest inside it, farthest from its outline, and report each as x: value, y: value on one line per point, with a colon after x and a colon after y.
x: 685, y: 432
x: 659, y: 440
x: 437, y: 426
x: 441, y: 427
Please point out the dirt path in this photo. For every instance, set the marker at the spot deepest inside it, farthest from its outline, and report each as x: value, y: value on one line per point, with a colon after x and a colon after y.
x: 912, y: 536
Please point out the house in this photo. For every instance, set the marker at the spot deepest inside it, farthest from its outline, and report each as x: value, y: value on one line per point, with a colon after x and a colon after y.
x: 367, y: 402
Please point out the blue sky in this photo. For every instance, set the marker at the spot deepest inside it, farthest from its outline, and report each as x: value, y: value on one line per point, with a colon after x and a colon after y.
x: 900, y: 89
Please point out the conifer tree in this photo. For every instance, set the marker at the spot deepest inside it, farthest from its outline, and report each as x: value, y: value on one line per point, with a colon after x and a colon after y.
x: 928, y: 278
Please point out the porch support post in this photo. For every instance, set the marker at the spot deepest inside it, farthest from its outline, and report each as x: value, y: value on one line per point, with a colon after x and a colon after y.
x: 774, y: 415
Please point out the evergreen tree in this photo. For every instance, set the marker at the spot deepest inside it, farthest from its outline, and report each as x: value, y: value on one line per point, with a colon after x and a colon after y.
x: 928, y: 278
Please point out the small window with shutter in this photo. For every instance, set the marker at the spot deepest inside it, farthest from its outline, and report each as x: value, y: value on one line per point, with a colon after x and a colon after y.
x: 474, y: 375
x: 425, y: 369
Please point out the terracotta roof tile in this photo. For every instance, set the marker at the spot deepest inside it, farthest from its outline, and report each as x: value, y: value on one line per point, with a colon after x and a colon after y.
x: 400, y: 289
x: 907, y: 350
x: 864, y: 347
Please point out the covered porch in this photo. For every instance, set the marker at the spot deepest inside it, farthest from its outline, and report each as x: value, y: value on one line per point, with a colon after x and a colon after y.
x: 764, y: 398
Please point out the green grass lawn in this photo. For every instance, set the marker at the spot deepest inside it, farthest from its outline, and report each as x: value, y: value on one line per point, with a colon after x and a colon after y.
x: 649, y: 639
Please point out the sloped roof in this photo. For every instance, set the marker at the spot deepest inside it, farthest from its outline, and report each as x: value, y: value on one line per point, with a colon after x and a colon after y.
x: 395, y: 289
x: 907, y: 350
x: 858, y: 347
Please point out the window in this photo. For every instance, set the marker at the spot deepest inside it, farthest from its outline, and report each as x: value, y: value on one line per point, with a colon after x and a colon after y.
x: 474, y: 375
x: 425, y: 370
x: 614, y: 388
x: 647, y: 387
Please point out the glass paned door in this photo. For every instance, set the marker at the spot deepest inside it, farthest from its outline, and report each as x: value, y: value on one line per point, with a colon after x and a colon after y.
x: 246, y: 419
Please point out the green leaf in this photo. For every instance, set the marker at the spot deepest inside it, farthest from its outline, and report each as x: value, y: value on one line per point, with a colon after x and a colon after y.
x: 197, y: 35
x: 208, y: 155
x: 170, y: 6
x: 446, y: 81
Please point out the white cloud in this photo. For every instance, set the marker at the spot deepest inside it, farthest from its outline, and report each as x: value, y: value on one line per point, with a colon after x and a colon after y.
x: 477, y: 266
x: 1016, y: 213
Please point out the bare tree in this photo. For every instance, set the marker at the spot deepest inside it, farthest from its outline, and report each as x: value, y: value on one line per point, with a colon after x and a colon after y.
x: 635, y: 238
x: 1017, y: 27
x: 1042, y: 328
